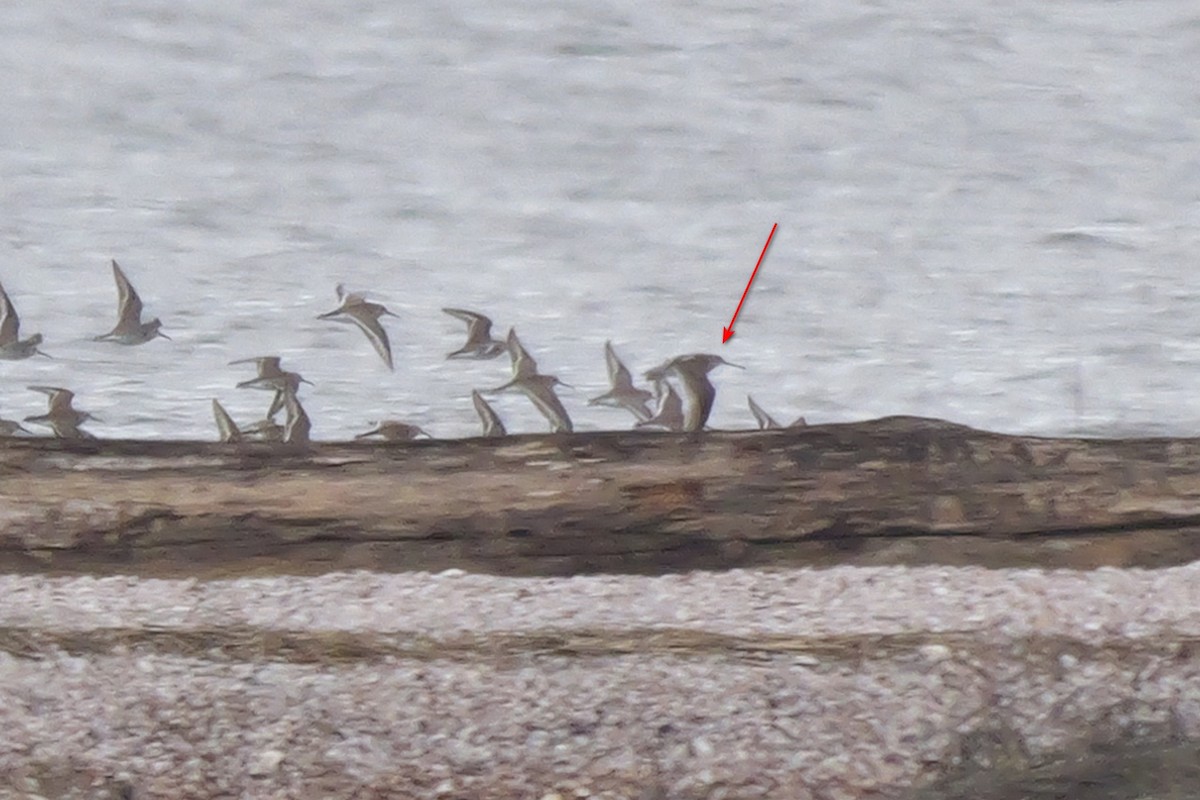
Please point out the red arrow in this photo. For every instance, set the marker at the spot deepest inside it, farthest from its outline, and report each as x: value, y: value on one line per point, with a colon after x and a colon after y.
x: 727, y: 332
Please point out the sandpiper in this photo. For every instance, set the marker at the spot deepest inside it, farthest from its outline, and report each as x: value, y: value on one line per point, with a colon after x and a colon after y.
x: 766, y: 422
x: 540, y: 390
x: 12, y: 346
x: 9, y: 428
x: 355, y: 308
x: 266, y: 430
x: 391, y: 430
x: 537, y: 387
x: 226, y: 427
x: 492, y: 426
x: 130, y: 329
x: 692, y: 371
x: 297, y: 427
x: 523, y: 364
x: 623, y: 393
x: 271, y: 377
x: 480, y: 344
x: 669, y: 414
x: 62, y: 417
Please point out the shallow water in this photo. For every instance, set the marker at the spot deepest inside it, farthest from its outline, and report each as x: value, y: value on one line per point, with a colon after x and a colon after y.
x: 988, y: 212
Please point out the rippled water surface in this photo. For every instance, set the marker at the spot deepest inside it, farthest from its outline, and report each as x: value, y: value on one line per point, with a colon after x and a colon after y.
x: 988, y: 212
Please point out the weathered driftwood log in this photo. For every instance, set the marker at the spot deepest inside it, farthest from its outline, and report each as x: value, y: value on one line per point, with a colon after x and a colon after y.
x: 895, y: 490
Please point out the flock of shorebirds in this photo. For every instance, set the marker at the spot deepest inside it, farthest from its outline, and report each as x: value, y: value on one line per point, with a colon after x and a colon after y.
x: 682, y: 393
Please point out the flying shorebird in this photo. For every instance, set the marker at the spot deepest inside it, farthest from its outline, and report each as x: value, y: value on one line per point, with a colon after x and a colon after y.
x: 480, y: 344
x: 272, y: 377
x: 540, y: 390
x: 692, y: 371
x: 766, y: 422
x: 9, y: 428
x: 523, y: 364
x: 357, y: 309
x: 623, y: 393
x: 537, y: 387
x: 391, y: 430
x: 297, y: 427
x: 266, y: 430
x: 492, y: 426
x: 12, y: 346
x: 226, y: 427
x: 669, y: 414
x: 130, y: 329
x: 63, y: 418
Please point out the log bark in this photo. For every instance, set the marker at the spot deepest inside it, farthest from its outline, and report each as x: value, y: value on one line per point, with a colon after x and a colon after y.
x: 890, y: 491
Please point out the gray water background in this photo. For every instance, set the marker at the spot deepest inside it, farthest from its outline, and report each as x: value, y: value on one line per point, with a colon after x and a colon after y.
x: 988, y: 211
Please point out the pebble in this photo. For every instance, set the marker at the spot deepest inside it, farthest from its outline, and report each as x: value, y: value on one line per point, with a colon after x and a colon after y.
x: 265, y: 763
x: 504, y: 721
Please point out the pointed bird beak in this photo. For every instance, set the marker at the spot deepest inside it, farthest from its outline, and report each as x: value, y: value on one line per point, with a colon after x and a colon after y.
x: 40, y: 353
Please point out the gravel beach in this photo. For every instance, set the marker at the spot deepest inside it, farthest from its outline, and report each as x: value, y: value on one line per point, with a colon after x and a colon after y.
x: 846, y: 682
